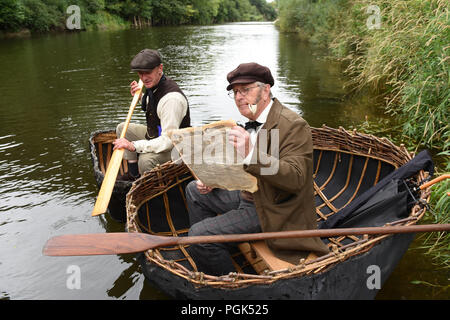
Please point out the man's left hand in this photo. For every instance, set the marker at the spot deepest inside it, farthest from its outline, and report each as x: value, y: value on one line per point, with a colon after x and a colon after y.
x: 240, y: 139
x: 123, y: 143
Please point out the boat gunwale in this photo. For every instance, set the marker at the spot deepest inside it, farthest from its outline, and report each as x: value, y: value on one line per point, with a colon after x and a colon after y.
x: 120, y: 185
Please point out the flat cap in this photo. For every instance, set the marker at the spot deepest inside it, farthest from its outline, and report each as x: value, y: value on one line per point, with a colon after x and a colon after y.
x: 146, y: 60
x: 248, y: 73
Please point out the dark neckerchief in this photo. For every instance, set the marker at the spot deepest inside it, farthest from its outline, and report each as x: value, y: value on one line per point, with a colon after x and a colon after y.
x: 149, y: 93
x: 252, y: 125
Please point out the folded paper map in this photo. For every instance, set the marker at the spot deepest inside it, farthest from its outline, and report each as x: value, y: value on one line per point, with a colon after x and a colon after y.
x: 211, y: 158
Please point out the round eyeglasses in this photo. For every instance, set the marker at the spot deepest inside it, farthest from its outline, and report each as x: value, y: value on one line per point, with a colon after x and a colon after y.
x: 244, y: 92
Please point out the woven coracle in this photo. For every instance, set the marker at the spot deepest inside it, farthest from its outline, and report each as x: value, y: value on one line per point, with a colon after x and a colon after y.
x: 336, y: 152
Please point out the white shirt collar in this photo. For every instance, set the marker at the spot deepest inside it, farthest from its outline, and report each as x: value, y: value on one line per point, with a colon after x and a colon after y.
x: 262, y: 119
x: 263, y: 116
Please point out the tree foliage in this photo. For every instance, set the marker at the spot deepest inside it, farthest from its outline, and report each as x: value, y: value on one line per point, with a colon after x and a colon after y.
x: 11, y: 15
x: 45, y: 15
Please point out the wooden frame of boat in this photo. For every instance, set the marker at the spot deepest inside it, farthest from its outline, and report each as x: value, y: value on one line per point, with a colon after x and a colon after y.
x: 101, y: 148
x: 337, y: 151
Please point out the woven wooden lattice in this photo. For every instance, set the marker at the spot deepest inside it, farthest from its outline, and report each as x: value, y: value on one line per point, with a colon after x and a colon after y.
x: 340, y: 143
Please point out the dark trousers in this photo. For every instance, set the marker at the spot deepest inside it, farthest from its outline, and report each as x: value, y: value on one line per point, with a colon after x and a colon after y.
x: 218, y: 212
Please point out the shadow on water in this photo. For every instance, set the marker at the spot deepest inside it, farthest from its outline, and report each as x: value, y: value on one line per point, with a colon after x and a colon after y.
x: 57, y: 89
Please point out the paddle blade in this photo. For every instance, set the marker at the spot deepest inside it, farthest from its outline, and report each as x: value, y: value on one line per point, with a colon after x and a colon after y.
x: 106, y: 189
x: 98, y: 244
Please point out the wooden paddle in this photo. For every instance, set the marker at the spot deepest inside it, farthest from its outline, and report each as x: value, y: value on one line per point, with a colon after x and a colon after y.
x: 104, y: 195
x: 124, y: 242
x: 435, y: 180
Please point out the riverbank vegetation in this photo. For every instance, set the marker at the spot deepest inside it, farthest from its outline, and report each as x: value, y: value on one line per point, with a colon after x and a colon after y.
x: 399, y: 49
x: 51, y: 15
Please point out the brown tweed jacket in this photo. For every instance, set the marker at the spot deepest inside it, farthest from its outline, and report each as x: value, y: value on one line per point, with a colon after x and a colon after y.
x: 285, y: 197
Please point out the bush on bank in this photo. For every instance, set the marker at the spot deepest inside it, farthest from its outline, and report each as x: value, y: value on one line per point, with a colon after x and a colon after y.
x: 47, y: 15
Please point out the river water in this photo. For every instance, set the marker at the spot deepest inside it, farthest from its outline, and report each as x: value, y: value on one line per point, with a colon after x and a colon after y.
x: 56, y: 89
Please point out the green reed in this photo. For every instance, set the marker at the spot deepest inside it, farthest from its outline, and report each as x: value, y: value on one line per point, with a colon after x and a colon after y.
x: 406, y: 61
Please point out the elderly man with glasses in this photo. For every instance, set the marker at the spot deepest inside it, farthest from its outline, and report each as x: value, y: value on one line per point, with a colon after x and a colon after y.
x: 284, y: 200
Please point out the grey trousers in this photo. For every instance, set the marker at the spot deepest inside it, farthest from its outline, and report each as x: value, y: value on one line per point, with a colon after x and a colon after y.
x: 218, y: 212
x: 146, y: 161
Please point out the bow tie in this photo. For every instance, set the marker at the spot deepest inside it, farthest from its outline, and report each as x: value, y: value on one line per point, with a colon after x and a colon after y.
x: 252, y: 125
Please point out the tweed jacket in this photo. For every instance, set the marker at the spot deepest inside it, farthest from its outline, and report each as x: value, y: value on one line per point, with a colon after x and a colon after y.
x: 284, y: 169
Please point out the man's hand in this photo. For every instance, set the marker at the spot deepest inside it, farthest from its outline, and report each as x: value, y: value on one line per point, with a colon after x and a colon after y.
x: 134, y: 87
x: 202, y: 188
x: 123, y: 143
x: 240, y: 139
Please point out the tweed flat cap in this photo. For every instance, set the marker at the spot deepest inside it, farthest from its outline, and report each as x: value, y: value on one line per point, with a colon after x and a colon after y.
x: 146, y: 60
x: 248, y: 73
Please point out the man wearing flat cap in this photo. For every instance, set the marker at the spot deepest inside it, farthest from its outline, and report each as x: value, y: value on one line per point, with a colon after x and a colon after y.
x: 166, y: 108
x: 285, y: 198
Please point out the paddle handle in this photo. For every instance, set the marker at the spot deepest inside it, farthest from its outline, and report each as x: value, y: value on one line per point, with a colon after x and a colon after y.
x: 125, y: 242
x: 136, y: 97
x: 435, y: 180
x: 322, y: 233
x: 109, y: 180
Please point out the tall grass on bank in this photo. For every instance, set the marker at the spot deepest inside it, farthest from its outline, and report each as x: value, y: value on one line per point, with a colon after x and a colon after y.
x: 406, y: 60
x: 438, y: 243
x: 409, y: 59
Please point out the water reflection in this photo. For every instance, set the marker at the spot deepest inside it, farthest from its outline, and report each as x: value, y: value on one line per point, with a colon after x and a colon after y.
x: 315, y: 86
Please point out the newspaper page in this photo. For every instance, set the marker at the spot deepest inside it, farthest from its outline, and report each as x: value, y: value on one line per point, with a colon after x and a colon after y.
x: 211, y: 158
